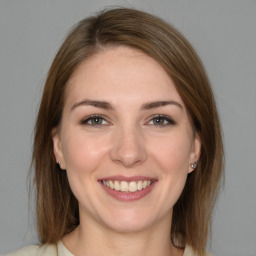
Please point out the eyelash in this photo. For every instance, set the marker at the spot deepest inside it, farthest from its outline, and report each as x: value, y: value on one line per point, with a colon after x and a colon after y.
x: 93, y: 117
x: 165, y: 119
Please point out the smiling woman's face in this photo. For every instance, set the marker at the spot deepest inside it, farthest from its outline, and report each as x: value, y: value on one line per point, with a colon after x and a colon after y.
x: 125, y: 140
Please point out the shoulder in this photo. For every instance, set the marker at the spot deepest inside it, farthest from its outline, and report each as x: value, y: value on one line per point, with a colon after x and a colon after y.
x: 189, y: 252
x: 36, y: 250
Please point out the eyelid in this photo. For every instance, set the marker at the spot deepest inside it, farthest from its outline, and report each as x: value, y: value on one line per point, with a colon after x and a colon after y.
x: 85, y: 120
x: 169, y: 119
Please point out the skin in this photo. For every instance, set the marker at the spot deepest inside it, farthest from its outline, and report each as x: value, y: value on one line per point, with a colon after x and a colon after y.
x: 129, y: 140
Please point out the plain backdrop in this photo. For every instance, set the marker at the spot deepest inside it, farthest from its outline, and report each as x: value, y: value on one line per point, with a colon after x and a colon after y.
x: 223, y: 33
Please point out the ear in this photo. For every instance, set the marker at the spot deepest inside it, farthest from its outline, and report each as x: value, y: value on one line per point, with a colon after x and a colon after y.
x: 195, y: 152
x: 57, y: 148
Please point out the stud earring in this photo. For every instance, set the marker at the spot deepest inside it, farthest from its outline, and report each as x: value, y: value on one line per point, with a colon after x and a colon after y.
x: 59, y: 164
x: 193, y: 165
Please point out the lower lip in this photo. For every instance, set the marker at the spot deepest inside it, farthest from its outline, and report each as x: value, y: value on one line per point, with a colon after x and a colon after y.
x: 128, y: 196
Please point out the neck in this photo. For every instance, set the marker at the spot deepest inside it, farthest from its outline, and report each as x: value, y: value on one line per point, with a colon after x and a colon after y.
x: 94, y: 240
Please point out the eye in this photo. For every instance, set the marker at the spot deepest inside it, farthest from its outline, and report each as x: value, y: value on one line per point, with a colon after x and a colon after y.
x: 94, y: 120
x: 161, y: 120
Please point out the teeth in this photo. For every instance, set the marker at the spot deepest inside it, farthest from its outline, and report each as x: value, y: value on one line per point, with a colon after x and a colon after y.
x: 133, y: 186
x: 116, y: 185
x: 111, y: 185
x: 139, y: 185
x: 125, y: 186
x: 144, y: 184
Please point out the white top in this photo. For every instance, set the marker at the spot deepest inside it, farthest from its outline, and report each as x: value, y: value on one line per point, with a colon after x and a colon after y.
x: 61, y: 250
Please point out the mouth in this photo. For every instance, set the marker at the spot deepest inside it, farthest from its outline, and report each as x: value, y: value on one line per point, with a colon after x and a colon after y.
x: 128, y: 188
x: 125, y: 186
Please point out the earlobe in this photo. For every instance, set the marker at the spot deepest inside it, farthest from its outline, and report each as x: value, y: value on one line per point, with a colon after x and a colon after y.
x: 193, y: 165
x: 57, y: 148
x: 195, y: 153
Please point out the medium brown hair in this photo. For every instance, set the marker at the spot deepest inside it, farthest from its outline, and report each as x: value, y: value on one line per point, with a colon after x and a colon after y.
x: 57, y: 208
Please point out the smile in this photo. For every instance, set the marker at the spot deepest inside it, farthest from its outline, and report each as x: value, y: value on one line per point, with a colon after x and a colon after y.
x: 124, y: 186
x: 128, y: 188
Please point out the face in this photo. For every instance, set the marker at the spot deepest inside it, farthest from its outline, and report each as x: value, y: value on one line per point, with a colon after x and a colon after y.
x: 125, y: 140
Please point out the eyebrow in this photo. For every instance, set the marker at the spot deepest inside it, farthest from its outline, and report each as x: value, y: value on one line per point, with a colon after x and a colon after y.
x: 157, y: 104
x: 94, y: 103
x: 107, y: 106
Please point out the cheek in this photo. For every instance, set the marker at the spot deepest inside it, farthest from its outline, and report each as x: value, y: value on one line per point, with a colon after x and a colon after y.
x: 173, y: 153
x: 83, y: 156
x: 83, y: 153
x: 173, y: 159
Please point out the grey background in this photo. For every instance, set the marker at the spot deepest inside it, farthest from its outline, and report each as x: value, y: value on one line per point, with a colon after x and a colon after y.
x: 224, y: 34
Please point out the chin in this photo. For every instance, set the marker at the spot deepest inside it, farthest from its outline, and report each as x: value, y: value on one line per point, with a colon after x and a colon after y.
x: 129, y: 222
x: 130, y: 226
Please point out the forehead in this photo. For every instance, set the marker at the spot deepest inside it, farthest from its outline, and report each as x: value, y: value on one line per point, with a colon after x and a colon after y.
x: 123, y: 72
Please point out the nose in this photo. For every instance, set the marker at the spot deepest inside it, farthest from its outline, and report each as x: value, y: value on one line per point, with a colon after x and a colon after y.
x: 129, y: 147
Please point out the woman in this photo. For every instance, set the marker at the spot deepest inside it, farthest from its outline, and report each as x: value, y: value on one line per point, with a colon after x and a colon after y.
x: 128, y: 150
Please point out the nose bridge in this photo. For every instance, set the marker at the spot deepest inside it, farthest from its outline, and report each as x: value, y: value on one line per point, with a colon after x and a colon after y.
x: 129, y: 145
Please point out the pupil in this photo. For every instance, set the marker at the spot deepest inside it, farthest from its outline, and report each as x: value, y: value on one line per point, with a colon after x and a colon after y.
x: 96, y: 120
x: 158, y: 120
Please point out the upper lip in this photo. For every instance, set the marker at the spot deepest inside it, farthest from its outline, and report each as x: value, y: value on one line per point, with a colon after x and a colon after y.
x: 128, y: 179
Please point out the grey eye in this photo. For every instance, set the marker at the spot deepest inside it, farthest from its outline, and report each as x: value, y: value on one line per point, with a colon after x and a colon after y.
x: 161, y: 121
x: 94, y: 121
